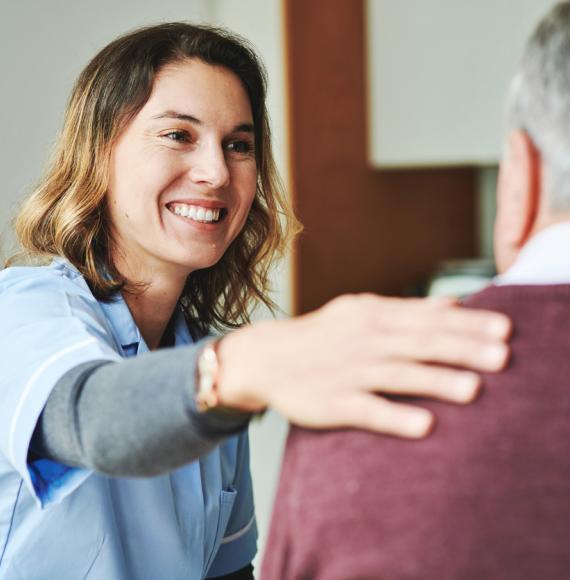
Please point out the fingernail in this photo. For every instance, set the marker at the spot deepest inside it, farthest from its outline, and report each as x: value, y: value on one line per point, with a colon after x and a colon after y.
x: 496, y: 355
x: 421, y: 424
x: 500, y: 327
x: 467, y: 387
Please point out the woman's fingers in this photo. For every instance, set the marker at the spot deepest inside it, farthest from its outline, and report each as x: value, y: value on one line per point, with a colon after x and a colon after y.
x: 421, y: 315
x: 444, y: 348
x: 479, y: 323
x: 407, y: 378
x: 366, y: 411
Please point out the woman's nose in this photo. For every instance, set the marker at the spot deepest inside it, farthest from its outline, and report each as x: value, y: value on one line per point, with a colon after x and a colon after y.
x: 209, y: 167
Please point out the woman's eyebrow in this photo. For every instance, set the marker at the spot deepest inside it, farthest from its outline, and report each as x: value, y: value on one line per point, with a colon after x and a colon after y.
x: 243, y: 128
x: 180, y: 116
x: 240, y: 128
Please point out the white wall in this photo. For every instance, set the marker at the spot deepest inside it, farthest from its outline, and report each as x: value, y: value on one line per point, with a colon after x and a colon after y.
x: 438, y: 77
x: 44, y: 46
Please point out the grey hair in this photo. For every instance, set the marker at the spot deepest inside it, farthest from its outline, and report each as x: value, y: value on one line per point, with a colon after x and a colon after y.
x: 539, y: 101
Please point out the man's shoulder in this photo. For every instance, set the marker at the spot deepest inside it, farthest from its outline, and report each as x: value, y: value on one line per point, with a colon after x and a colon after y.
x: 507, y: 297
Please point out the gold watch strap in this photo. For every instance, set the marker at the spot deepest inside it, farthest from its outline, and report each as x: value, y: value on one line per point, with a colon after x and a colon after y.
x: 207, y: 397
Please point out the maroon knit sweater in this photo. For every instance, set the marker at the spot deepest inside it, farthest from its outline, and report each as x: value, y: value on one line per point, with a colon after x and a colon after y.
x: 485, y: 497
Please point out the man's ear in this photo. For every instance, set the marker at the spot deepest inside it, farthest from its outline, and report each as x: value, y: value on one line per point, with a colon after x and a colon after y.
x: 518, y: 198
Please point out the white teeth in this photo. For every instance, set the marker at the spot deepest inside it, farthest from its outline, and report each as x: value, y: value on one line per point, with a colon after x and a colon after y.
x: 197, y: 213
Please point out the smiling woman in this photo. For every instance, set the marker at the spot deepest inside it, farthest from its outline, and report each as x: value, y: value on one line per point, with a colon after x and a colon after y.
x: 158, y: 99
x: 123, y: 428
x: 170, y: 170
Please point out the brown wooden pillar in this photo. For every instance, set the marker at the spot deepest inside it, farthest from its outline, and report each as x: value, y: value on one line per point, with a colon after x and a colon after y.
x: 365, y: 229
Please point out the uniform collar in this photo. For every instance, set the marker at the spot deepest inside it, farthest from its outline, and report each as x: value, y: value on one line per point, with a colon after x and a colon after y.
x: 125, y: 331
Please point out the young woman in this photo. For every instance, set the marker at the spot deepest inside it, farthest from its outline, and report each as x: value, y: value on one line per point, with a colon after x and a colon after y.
x: 123, y: 442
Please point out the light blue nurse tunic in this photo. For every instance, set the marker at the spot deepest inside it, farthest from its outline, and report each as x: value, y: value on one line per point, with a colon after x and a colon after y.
x: 59, y: 522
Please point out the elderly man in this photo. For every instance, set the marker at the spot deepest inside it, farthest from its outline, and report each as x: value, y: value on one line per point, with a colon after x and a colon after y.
x: 487, y: 495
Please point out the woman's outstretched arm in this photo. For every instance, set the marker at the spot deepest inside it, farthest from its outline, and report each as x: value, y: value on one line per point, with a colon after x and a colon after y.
x: 131, y: 418
x: 324, y: 369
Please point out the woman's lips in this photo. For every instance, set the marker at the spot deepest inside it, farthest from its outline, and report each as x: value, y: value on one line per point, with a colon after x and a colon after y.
x: 207, y: 203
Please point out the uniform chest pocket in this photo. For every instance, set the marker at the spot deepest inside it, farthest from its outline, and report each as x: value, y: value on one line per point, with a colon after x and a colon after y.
x: 227, y: 501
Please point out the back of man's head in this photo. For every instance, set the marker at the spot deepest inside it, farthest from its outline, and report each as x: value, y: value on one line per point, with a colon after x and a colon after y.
x: 534, y: 181
x: 539, y: 101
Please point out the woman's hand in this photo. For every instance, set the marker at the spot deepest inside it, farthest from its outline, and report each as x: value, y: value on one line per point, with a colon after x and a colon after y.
x: 324, y: 368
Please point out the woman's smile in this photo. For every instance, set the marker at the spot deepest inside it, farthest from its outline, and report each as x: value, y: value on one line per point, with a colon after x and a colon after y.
x: 197, y: 213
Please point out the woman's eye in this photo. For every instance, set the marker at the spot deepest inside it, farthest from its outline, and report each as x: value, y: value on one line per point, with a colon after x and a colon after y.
x: 177, y: 136
x: 240, y: 147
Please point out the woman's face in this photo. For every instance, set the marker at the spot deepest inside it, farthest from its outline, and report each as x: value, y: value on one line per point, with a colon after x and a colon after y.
x: 183, y: 173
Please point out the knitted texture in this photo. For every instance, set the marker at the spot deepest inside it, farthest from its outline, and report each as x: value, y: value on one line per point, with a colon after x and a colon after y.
x: 486, y: 496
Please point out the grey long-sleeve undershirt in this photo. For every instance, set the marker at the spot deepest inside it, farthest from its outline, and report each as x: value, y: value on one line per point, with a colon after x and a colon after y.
x: 131, y: 418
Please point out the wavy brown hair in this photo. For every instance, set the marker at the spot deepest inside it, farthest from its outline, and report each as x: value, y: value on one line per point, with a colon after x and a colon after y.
x: 66, y: 215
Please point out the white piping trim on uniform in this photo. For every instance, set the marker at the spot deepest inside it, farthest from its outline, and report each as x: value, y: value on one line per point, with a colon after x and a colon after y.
x: 239, y: 533
x: 28, y: 388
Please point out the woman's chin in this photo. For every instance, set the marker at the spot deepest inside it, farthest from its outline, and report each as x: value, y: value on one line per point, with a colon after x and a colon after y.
x: 186, y: 267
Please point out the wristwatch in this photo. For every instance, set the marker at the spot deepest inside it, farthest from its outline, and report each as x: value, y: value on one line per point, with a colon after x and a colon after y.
x: 207, y: 396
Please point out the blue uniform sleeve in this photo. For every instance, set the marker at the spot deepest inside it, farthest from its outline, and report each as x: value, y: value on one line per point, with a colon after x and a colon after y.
x: 239, y: 544
x: 50, y: 323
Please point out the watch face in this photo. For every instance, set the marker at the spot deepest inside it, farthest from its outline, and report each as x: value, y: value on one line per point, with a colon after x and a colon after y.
x: 207, y: 370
